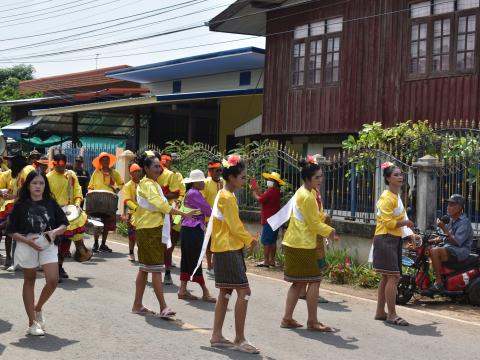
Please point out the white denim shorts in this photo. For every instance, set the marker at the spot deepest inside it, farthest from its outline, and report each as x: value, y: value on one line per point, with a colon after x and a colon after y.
x: 28, y: 258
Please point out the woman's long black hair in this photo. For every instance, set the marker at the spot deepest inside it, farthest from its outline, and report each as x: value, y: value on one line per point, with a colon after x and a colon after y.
x: 24, y: 192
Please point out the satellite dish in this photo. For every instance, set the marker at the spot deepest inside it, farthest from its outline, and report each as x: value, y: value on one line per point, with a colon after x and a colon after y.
x: 3, y: 145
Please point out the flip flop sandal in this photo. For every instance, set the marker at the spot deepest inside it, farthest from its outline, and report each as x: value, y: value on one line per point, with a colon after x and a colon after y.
x: 187, y: 296
x: 398, y: 321
x: 246, y: 347
x: 167, y: 314
x: 143, y: 311
x: 209, y: 299
x: 223, y: 344
x: 262, y: 265
x: 290, y: 324
x: 319, y: 327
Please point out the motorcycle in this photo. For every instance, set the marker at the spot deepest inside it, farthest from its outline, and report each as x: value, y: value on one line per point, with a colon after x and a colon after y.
x: 459, y: 279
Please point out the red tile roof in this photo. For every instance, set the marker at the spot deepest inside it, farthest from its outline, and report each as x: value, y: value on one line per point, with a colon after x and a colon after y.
x: 91, y: 80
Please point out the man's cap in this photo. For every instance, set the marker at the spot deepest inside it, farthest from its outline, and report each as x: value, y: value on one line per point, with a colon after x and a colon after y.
x: 457, y: 199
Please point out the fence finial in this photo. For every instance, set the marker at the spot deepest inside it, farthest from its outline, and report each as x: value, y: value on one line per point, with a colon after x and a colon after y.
x: 454, y: 123
x: 473, y: 124
x: 461, y: 123
x: 448, y: 123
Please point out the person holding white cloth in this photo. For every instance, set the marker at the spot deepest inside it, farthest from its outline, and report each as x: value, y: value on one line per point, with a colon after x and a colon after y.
x: 35, y: 222
x: 392, y: 226
x: 152, y: 225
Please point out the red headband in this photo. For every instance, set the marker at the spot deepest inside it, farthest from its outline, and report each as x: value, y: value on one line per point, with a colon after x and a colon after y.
x: 59, y: 163
x: 215, y: 166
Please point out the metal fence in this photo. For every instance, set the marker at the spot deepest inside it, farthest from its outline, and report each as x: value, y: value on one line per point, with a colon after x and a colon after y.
x: 89, y: 153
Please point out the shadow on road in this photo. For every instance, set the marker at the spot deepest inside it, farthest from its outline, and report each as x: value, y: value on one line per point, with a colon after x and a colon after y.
x: 419, y: 330
x: 47, y: 343
x: 201, y: 305
x: 329, y: 338
x: 235, y: 355
x: 76, y: 283
x: 12, y: 276
x: 5, y: 326
x: 337, y: 306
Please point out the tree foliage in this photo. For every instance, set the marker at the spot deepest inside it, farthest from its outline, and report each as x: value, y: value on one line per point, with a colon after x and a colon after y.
x: 9, y: 82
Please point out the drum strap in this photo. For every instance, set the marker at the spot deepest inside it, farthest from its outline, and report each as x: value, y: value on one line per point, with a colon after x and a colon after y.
x: 70, y: 180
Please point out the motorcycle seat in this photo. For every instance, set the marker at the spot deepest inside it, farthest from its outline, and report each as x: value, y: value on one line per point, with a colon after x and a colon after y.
x: 471, y: 261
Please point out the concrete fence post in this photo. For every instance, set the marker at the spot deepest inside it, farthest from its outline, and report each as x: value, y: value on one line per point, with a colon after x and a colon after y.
x: 427, y: 187
x: 123, y: 166
x: 323, y: 162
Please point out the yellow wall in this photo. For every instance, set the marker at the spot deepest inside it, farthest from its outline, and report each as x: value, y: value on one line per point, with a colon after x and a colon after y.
x: 236, y: 111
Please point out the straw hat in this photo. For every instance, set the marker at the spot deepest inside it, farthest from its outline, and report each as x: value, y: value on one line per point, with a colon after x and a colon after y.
x: 195, y: 176
x: 274, y: 176
x: 96, y: 162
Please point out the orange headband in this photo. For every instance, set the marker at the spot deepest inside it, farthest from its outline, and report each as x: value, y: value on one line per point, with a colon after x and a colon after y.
x: 59, y: 163
x: 134, y: 167
x: 215, y: 166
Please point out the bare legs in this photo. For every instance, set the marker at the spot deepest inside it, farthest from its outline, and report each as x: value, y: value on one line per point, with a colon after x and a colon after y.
x: 29, y: 277
x: 240, y: 315
x: 140, y: 285
x: 387, y: 294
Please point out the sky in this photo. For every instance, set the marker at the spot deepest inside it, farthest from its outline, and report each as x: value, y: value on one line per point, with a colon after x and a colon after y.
x: 27, y: 26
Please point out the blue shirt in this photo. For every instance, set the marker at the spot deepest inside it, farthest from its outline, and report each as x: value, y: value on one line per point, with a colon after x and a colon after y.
x: 462, y: 230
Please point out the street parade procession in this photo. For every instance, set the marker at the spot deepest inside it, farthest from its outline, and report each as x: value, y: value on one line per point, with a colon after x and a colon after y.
x: 268, y: 179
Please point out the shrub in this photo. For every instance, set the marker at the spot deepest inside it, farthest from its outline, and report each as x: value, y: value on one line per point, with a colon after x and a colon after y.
x: 122, y: 229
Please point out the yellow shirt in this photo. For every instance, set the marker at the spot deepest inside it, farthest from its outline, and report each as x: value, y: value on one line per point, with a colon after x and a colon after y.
x: 5, y: 178
x: 229, y: 234
x: 64, y: 196
x: 386, y: 218
x: 20, y: 179
x: 303, y: 234
x: 183, y: 188
x: 211, y: 189
x: 4, y: 167
x: 169, y: 183
x: 130, y: 196
x: 146, y: 219
x: 103, y: 181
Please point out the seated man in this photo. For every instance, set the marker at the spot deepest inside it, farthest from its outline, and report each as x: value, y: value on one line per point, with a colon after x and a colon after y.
x: 458, y: 242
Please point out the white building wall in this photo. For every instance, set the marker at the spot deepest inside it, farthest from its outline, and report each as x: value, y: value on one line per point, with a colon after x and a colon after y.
x: 226, y: 81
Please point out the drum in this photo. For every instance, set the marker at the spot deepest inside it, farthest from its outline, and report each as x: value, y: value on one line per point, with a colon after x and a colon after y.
x: 82, y: 253
x: 72, y: 212
x: 101, y: 203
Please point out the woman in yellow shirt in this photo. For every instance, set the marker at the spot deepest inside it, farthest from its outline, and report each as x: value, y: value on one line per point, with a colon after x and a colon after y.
x: 387, y: 244
x: 130, y: 202
x: 105, y: 178
x: 152, y: 231
x: 229, y: 238
x: 300, y: 243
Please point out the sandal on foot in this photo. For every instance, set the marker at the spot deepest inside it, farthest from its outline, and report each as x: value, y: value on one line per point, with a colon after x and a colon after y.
x: 246, y: 347
x: 209, y: 299
x: 167, y: 314
x: 261, y: 264
x: 398, y: 321
x: 290, y: 324
x: 381, y: 317
x: 222, y: 344
x: 143, y: 311
x: 318, y: 326
x: 187, y: 296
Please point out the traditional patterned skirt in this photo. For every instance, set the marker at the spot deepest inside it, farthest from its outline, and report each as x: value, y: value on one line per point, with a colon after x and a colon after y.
x: 387, y: 254
x: 132, y: 236
x: 301, y: 265
x: 109, y: 222
x: 230, y: 270
x: 191, y: 241
x: 150, y: 249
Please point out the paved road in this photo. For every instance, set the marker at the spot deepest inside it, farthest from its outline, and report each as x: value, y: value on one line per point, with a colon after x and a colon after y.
x: 88, y: 318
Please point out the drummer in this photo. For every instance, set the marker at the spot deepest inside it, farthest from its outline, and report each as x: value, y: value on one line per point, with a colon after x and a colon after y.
x: 43, y: 163
x: 66, y: 190
x: 171, y: 188
x: 130, y: 202
x: 107, y: 179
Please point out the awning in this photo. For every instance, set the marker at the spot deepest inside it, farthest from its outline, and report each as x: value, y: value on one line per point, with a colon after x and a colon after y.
x: 252, y: 127
x: 14, y: 130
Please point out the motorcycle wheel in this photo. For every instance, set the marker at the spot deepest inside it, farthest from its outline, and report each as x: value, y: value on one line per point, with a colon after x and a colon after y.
x: 405, y: 289
x: 474, y: 293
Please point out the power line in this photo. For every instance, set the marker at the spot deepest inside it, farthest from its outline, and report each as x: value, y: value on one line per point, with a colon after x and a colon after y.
x: 40, y: 10
x: 24, y: 6
x: 76, y: 36
x: 94, y: 24
x: 58, y: 15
